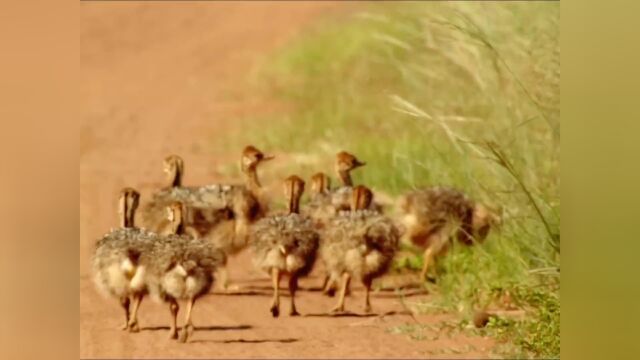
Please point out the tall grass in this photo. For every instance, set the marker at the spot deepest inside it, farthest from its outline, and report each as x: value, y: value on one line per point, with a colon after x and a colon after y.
x: 459, y: 94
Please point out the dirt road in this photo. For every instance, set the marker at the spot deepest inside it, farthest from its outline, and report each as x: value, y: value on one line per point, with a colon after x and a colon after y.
x: 160, y: 78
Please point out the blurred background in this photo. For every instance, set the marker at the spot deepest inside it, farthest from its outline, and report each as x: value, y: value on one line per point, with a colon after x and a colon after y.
x: 460, y: 94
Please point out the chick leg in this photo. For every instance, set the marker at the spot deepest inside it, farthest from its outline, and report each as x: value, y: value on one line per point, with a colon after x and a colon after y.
x: 325, y: 283
x: 333, y: 286
x: 346, y: 278
x: 275, y: 303
x: 173, y: 307
x: 224, y: 277
x: 367, y: 291
x: 293, y: 286
x: 133, y: 320
x: 225, y: 284
x: 187, y: 329
x: 428, y: 255
x: 330, y: 285
x: 124, y: 301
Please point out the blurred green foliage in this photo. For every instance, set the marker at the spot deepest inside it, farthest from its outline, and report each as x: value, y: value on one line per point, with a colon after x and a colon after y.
x: 455, y: 93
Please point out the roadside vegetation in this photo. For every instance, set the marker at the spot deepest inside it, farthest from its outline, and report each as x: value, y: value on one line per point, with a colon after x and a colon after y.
x: 454, y: 93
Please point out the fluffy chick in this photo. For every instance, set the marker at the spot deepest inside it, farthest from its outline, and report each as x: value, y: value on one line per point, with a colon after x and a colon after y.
x: 360, y: 243
x: 285, y: 245
x: 119, y: 267
x: 181, y: 268
x: 433, y: 216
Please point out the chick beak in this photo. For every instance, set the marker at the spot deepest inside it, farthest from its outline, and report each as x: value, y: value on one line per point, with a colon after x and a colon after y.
x: 283, y: 250
x: 358, y: 164
x: 268, y: 157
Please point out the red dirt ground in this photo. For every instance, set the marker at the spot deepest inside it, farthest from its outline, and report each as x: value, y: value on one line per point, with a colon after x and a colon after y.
x: 160, y: 78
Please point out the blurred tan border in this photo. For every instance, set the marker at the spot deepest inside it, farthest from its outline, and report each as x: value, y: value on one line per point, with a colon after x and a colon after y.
x: 39, y: 179
x: 600, y: 179
x: 600, y: 96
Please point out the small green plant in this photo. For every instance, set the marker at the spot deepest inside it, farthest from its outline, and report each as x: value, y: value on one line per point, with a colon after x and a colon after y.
x: 539, y: 333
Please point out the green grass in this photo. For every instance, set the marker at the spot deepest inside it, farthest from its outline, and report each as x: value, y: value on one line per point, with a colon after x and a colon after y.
x: 460, y: 94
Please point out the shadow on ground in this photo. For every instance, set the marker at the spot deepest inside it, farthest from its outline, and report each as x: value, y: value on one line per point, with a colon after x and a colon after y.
x: 248, y: 341
x: 201, y: 328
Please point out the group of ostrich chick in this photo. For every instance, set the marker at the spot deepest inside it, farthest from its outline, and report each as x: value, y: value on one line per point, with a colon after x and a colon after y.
x: 191, y: 231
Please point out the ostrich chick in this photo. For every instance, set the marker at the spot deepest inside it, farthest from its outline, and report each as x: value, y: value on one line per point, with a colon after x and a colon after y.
x: 286, y: 244
x: 433, y: 216
x: 345, y: 163
x: 360, y: 243
x: 211, y: 204
x: 119, y: 268
x: 182, y: 268
x: 326, y: 202
x: 247, y: 204
x: 321, y: 210
x: 319, y: 207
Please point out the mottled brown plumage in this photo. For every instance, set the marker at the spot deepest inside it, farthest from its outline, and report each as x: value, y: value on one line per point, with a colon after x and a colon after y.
x: 153, y: 212
x: 207, y: 205
x: 433, y: 216
x: 285, y: 244
x: 360, y: 243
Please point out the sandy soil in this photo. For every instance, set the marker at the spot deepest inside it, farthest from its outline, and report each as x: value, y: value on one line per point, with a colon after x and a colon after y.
x: 160, y: 78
